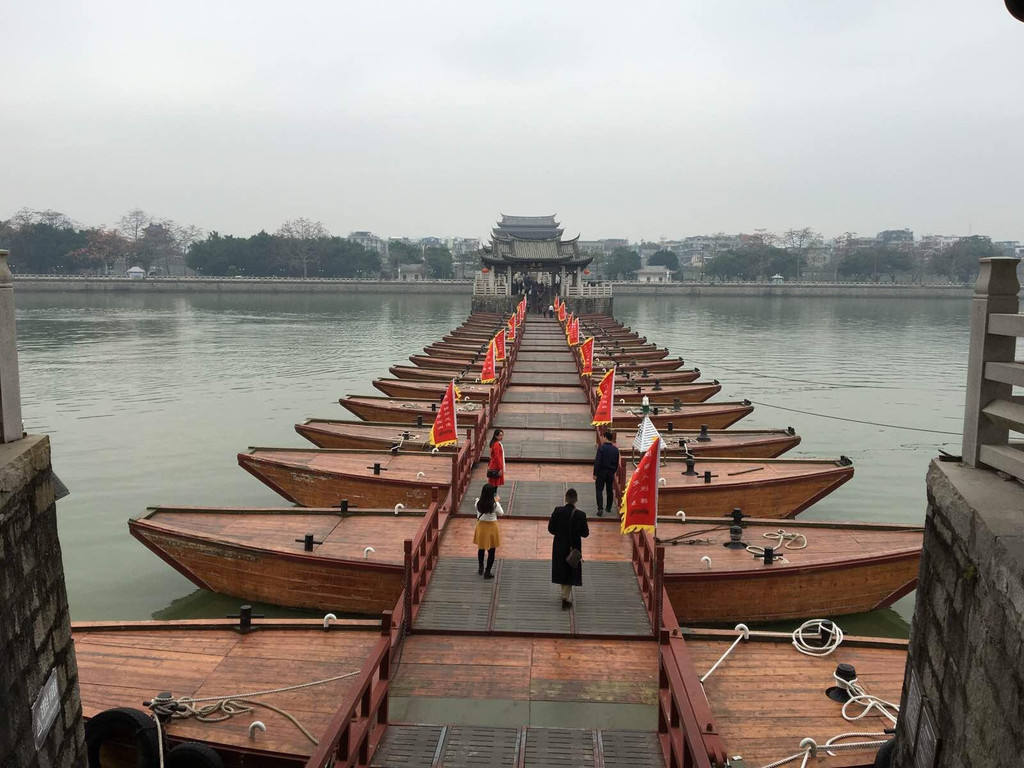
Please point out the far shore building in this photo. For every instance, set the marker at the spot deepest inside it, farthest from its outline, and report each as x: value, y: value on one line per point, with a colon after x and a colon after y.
x: 412, y: 272
x: 136, y: 273
x: 656, y: 274
x: 370, y: 241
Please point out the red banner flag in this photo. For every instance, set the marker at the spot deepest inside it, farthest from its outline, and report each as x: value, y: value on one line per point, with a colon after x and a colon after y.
x: 557, y: 304
x: 606, y: 389
x: 561, y: 313
x: 639, y: 509
x: 487, y: 375
x: 574, y: 332
x: 499, y: 346
x: 587, y: 356
x: 511, y: 332
x: 522, y: 309
x: 445, y: 430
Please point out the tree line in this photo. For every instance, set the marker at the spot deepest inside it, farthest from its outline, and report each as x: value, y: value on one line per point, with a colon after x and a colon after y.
x: 49, y: 242
x: 765, y: 254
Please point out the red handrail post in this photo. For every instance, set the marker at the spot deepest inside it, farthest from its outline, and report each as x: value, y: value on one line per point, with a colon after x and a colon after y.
x: 659, y: 588
x: 407, y: 597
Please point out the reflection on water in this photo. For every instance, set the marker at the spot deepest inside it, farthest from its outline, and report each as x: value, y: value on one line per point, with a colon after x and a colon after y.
x: 148, y: 398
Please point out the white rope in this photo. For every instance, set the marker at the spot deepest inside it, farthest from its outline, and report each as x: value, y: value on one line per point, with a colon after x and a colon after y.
x: 744, y: 635
x: 829, y: 747
x: 860, y: 697
x: 269, y: 691
x: 782, y: 535
x: 806, y: 648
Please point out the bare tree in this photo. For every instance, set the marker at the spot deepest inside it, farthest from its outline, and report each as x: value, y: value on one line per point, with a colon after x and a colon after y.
x: 800, y: 242
x: 302, y: 235
x: 184, y: 237
x: 131, y: 226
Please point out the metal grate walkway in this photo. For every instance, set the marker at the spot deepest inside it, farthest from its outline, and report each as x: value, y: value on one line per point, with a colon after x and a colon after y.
x: 423, y: 746
x: 522, y: 599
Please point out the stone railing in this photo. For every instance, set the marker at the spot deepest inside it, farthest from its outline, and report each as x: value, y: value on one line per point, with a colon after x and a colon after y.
x: 483, y: 286
x: 588, y: 290
x: 992, y: 411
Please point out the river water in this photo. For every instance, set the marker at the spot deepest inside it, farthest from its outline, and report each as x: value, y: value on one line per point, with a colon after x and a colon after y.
x: 147, y: 399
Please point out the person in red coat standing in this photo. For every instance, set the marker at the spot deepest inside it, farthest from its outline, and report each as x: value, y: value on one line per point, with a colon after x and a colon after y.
x: 496, y: 466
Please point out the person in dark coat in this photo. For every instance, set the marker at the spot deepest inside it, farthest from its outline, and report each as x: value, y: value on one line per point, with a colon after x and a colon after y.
x: 569, y: 527
x: 606, y: 465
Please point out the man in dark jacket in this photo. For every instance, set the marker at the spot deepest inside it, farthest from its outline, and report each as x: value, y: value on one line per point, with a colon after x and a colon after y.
x: 569, y: 527
x: 606, y: 464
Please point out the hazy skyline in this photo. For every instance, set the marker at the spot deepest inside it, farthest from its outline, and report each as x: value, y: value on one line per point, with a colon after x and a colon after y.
x: 656, y: 120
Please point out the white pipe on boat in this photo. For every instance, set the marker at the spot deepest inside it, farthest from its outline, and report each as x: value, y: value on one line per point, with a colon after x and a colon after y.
x: 420, y: 474
x: 399, y: 507
x: 328, y: 618
x: 707, y: 561
x: 256, y: 725
x: 367, y: 552
x: 662, y: 481
x: 681, y: 515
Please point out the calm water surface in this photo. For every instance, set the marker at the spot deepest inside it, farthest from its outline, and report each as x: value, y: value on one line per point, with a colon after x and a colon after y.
x: 147, y: 399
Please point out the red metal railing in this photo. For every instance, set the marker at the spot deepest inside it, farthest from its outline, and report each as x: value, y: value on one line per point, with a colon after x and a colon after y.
x: 358, y: 724
x: 421, y: 555
x: 686, y: 727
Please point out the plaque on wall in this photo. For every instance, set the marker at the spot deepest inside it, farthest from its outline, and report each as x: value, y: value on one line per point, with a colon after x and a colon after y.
x: 927, y: 747
x: 911, y: 712
x: 45, y: 709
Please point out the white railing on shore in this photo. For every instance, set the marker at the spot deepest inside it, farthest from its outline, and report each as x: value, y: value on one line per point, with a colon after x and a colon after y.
x: 588, y: 290
x: 490, y: 286
x: 992, y: 411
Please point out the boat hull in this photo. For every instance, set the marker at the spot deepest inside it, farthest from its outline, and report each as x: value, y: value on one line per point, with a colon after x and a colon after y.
x: 777, y: 594
x: 293, y: 580
x: 318, y: 488
x: 714, y: 416
x: 385, y: 410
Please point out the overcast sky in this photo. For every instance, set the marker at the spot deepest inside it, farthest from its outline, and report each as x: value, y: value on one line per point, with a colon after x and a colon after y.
x: 430, y: 118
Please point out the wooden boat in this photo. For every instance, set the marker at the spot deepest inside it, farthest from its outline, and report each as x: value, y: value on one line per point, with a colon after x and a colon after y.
x: 403, y: 388
x: 651, y: 366
x: 759, y: 734
x: 407, y: 411
x: 450, y: 364
x: 687, y: 416
x: 313, y: 477
x: 367, y: 435
x: 415, y: 373
x: 840, y: 568
x: 658, y: 378
x: 725, y: 443
x: 122, y: 664
x: 774, y: 488
x: 696, y: 392
x: 260, y: 554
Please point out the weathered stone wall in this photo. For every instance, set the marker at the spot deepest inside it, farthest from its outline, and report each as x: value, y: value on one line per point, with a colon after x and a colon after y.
x: 968, y: 628
x: 35, y: 629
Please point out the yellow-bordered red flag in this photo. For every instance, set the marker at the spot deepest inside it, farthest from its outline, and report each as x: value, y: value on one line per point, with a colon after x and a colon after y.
x: 499, y: 347
x: 639, y: 508
x: 574, y: 332
x: 511, y: 332
x: 445, y: 430
x: 561, y: 312
x: 587, y: 356
x: 487, y: 375
x: 606, y: 389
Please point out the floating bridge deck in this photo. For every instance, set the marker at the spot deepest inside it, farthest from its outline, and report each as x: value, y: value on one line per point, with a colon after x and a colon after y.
x: 495, y: 672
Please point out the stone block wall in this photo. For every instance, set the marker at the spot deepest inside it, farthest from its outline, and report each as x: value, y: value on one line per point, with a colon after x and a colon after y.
x: 964, y: 679
x: 35, y: 628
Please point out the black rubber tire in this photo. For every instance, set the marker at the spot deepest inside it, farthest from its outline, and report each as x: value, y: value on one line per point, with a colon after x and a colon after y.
x: 192, y: 754
x: 138, y: 725
x: 883, y: 758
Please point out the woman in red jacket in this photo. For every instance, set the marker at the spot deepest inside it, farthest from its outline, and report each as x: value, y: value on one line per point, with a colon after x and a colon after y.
x: 496, y: 466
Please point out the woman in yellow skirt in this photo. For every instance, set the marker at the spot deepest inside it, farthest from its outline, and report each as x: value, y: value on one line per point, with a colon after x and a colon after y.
x: 486, y: 535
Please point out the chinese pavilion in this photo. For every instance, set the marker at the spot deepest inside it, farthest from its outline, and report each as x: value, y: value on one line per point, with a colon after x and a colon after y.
x: 528, y: 257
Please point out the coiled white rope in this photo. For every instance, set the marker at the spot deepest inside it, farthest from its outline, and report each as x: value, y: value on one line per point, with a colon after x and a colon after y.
x: 860, y: 697
x: 806, y: 648
x: 809, y: 748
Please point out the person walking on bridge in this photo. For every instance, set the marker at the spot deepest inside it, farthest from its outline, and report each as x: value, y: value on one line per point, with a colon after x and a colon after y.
x: 486, y: 535
x: 606, y: 466
x: 569, y: 527
x: 496, y: 460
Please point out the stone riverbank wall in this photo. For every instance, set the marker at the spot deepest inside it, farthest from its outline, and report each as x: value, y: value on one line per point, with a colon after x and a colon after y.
x: 464, y: 287
x: 38, y: 675
x: 963, y: 691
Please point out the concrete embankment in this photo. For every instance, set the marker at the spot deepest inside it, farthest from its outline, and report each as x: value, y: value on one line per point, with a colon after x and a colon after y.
x: 237, y: 285
x: 464, y: 287
x: 793, y: 290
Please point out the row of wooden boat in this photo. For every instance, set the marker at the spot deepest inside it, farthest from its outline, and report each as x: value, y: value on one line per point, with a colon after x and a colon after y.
x: 366, y: 491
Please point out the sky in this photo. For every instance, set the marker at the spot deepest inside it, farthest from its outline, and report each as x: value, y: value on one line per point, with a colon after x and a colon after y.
x: 639, y: 120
